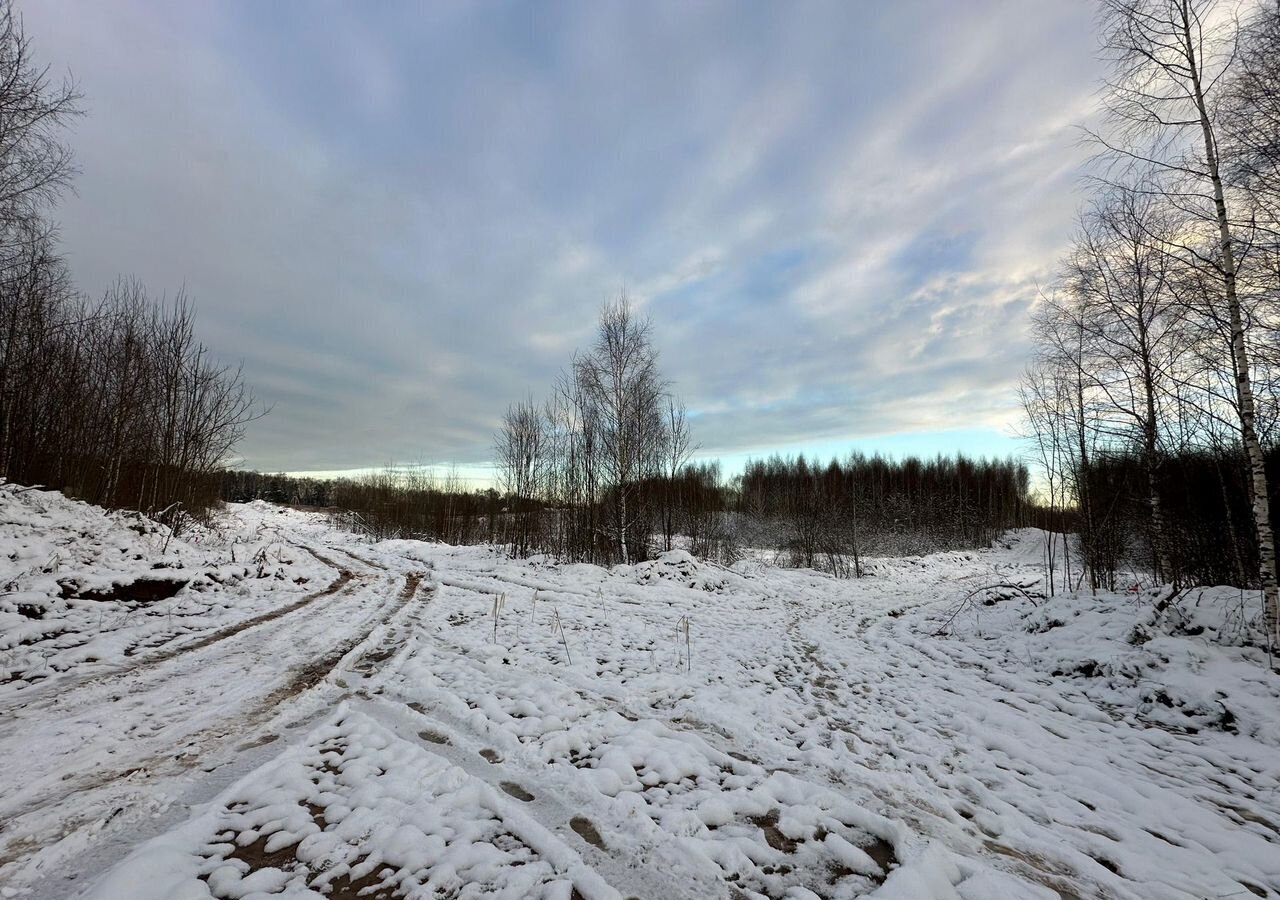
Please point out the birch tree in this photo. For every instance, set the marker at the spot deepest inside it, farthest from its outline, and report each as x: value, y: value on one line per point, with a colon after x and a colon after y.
x: 678, y: 448
x: 620, y: 376
x: 522, y: 447
x: 1171, y: 64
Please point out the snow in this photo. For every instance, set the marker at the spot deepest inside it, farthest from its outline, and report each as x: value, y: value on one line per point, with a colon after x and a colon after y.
x: 58, y: 553
x: 451, y: 722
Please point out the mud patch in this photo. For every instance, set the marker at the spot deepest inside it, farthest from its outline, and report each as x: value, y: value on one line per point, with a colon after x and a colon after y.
x: 256, y: 856
x: 373, y: 660
x: 258, y: 742
x: 517, y: 791
x: 433, y: 736
x: 1038, y: 870
x: 491, y: 756
x: 411, y: 582
x: 308, y: 676
x: 370, y: 887
x: 142, y: 592
x: 882, y: 854
x: 768, y: 823
x: 584, y: 829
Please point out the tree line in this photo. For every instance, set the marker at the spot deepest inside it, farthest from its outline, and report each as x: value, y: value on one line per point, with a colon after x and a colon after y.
x: 828, y: 517
x: 825, y: 517
x: 396, y: 502
x: 110, y: 399
x: 1153, y: 396
x: 244, y: 486
x: 603, y: 472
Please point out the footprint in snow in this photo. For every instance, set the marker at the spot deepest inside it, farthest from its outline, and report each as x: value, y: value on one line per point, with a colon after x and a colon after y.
x: 517, y: 791
x: 587, y: 831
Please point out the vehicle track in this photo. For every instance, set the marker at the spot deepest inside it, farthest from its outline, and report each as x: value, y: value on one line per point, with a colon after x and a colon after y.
x: 62, y: 687
x: 72, y: 805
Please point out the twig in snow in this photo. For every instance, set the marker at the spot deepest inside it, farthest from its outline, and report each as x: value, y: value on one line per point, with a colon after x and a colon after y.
x: 499, y: 601
x: 557, y: 625
x: 159, y: 517
x: 23, y: 490
x: 966, y: 602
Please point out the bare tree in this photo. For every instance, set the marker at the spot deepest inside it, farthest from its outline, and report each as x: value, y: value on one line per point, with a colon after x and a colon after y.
x: 1045, y: 393
x: 619, y: 376
x: 522, y: 461
x: 1252, y: 138
x: 1119, y: 275
x: 35, y: 164
x: 1172, y: 61
x: 1058, y: 398
x: 612, y: 447
x: 677, y: 452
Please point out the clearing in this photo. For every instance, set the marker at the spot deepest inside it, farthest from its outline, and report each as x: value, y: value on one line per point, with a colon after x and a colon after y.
x: 274, y: 708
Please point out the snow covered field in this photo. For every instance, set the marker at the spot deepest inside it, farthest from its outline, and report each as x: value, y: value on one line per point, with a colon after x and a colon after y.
x: 311, y: 715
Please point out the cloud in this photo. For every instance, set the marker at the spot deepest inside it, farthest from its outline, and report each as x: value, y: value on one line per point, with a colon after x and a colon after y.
x: 402, y: 217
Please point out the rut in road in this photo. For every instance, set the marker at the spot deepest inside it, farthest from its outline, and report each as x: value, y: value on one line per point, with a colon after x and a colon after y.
x: 166, y: 763
x: 61, y: 688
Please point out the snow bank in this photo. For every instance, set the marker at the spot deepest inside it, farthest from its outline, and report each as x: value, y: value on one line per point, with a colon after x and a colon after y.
x: 82, y: 588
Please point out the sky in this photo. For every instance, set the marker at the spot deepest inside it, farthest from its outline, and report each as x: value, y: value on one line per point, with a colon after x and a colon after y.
x: 401, y: 217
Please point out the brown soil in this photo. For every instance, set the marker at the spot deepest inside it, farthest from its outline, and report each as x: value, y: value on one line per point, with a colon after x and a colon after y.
x: 516, y: 791
x: 1038, y: 870
x: 143, y: 591
x: 370, y: 887
x: 768, y: 823
x: 881, y: 851
x: 587, y: 831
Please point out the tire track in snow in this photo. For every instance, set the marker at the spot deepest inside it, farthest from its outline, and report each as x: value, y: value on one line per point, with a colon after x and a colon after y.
x: 210, y: 742
x: 61, y: 688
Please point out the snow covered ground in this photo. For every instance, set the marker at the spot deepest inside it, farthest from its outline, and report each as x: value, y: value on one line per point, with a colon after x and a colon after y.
x: 321, y: 716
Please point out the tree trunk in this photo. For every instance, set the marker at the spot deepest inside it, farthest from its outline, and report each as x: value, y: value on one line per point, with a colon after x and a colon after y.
x: 1244, y: 385
x: 1161, y: 570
